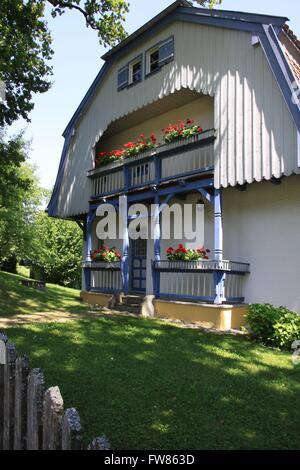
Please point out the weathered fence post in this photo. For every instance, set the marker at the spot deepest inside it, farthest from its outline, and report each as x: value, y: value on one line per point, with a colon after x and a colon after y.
x: 30, y: 417
x: 52, y: 416
x: 22, y: 371
x: 3, y: 341
x: 35, y: 399
x: 9, y: 397
x: 71, y: 430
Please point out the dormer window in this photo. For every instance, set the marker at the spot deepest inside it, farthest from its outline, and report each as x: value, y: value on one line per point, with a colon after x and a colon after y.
x: 130, y: 73
x: 135, y: 71
x: 123, y: 78
x: 154, y: 61
x: 159, y: 55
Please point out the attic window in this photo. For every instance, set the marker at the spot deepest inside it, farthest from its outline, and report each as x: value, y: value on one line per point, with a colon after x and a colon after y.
x: 159, y: 55
x: 123, y: 76
x: 135, y: 71
x: 130, y: 73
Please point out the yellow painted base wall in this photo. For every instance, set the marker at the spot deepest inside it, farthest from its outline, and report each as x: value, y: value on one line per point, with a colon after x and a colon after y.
x: 94, y: 298
x: 220, y: 317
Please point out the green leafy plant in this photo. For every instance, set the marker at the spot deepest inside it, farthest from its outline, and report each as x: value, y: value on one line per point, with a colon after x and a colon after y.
x: 181, y: 131
x: 142, y: 144
x: 184, y: 254
x: 108, y: 255
x: 287, y: 330
x: 104, y: 158
x: 275, y: 326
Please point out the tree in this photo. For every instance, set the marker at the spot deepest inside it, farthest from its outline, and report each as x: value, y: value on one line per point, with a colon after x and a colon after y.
x: 13, y: 153
x: 210, y: 3
x: 56, y: 252
x: 53, y: 247
x: 17, y: 217
x: 25, y: 45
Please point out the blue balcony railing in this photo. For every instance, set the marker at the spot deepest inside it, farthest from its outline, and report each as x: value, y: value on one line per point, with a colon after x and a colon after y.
x: 182, y: 158
x: 197, y: 280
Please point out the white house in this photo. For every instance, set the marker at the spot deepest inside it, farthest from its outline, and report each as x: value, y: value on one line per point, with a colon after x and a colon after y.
x: 237, y: 76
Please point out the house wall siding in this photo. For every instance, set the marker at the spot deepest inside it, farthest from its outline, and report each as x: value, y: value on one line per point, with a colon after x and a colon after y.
x: 261, y: 227
x: 257, y: 138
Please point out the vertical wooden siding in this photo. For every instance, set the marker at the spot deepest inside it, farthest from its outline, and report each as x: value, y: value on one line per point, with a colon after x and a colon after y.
x: 257, y: 138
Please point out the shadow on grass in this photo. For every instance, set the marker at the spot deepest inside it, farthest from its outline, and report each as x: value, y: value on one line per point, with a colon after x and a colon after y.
x: 148, y: 385
x: 16, y: 299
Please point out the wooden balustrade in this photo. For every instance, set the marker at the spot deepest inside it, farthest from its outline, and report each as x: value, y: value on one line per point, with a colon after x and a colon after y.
x: 178, y: 159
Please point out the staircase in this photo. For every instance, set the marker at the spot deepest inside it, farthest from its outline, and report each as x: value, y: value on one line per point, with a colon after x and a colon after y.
x: 130, y: 304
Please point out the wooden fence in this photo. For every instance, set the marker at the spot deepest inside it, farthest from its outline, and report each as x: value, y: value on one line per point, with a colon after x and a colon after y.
x: 31, y: 417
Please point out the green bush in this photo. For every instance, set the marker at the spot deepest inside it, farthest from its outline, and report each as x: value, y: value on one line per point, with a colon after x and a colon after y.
x: 287, y: 330
x: 275, y: 326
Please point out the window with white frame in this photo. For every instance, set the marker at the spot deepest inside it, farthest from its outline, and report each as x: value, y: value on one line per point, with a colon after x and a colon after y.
x: 130, y: 73
x: 159, y: 55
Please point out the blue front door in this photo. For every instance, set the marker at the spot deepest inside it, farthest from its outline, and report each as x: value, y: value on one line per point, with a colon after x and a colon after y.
x: 138, y: 265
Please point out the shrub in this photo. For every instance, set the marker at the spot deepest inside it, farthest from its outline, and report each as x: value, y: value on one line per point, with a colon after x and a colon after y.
x: 275, y: 326
x: 287, y: 330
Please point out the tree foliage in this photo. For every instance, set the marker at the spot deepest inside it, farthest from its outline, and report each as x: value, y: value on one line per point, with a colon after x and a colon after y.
x: 25, y: 49
x: 20, y: 197
x: 25, y: 45
x: 57, y: 250
x: 210, y: 3
x: 53, y: 247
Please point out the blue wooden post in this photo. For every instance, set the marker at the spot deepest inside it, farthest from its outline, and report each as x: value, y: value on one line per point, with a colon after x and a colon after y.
x: 87, y: 279
x: 88, y: 237
x: 89, y: 234
x: 156, y: 235
x: 219, y: 277
x: 218, y: 246
x: 157, y: 165
x: 125, y: 237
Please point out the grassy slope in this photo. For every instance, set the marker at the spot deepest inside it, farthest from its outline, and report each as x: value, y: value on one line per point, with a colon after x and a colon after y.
x: 148, y: 385
x: 15, y: 298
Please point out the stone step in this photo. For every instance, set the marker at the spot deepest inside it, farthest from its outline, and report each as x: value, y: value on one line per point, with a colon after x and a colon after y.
x: 132, y: 299
x: 131, y: 308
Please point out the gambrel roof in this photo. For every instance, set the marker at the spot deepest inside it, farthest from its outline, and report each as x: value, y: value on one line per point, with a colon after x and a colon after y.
x: 265, y: 30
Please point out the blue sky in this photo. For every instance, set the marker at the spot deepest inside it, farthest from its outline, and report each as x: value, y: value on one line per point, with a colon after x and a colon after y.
x: 77, y: 61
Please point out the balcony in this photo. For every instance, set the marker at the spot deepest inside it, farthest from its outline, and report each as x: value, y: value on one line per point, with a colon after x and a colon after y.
x: 103, y: 277
x: 177, y: 160
x: 201, y: 280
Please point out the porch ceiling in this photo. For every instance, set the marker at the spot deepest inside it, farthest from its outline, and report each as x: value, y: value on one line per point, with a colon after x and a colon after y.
x: 172, y: 101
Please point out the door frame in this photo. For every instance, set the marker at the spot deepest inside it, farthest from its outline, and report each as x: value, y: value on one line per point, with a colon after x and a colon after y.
x: 140, y: 268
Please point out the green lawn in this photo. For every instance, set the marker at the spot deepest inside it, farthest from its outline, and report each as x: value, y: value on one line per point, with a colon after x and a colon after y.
x: 15, y: 298
x: 149, y: 385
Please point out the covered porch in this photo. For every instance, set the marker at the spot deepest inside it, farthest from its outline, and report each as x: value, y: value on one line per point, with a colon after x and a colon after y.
x: 143, y: 267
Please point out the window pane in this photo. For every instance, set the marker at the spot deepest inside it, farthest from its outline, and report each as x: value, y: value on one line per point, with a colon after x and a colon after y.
x: 154, y: 60
x: 137, y: 72
x: 166, y: 51
x: 123, y: 77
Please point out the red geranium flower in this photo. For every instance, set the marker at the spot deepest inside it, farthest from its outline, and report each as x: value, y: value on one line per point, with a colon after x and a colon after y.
x: 129, y: 145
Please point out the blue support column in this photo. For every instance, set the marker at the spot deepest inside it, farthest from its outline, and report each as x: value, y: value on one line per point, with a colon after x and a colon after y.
x: 157, y: 165
x: 157, y: 235
x: 87, y: 279
x: 89, y: 234
x: 219, y: 278
x: 88, y: 238
x: 125, y: 237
